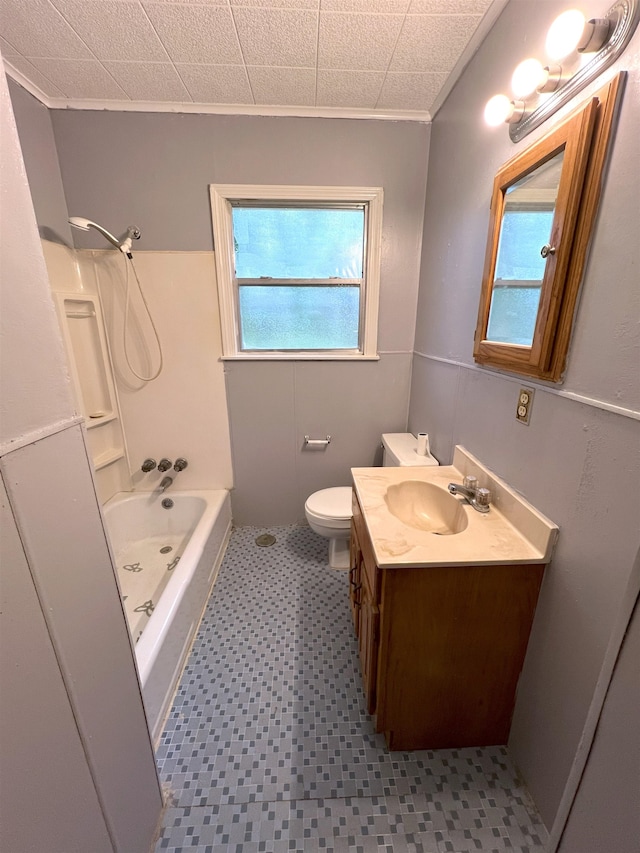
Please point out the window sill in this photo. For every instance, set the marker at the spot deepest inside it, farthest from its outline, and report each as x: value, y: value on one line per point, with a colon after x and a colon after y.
x: 299, y: 357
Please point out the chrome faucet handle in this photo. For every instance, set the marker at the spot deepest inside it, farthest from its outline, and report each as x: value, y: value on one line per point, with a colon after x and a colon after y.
x: 148, y: 465
x: 470, y: 482
x: 164, y: 465
x: 483, y: 497
x: 180, y: 464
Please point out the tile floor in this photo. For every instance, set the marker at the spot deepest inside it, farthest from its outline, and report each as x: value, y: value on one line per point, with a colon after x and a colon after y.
x: 268, y: 746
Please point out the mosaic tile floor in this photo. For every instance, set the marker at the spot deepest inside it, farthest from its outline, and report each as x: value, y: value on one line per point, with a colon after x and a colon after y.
x: 268, y: 746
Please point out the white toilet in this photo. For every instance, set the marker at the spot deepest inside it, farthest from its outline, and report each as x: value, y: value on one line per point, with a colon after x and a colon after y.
x: 329, y: 510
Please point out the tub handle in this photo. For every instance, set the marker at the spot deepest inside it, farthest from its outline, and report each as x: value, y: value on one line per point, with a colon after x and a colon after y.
x: 317, y: 442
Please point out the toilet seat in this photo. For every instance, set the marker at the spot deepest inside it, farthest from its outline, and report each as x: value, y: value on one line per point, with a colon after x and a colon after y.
x: 331, y: 506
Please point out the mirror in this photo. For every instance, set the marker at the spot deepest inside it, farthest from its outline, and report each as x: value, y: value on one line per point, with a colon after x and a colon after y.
x: 523, y: 246
x: 542, y: 209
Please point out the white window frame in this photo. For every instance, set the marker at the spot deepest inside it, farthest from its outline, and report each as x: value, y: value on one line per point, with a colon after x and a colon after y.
x: 222, y: 196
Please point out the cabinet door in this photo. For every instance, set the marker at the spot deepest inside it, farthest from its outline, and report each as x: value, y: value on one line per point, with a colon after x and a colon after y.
x: 368, y: 642
x: 355, y: 582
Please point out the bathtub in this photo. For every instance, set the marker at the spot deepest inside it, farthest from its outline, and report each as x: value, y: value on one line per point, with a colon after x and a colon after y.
x: 167, y: 561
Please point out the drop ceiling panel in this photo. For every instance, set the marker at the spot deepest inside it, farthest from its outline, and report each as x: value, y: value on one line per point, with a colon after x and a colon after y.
x: 284, y: 86
x: 349, y: 88
x: 84, y: 79
x: 216, y: 84
x: 37, y: 28
x: 148, y: 81
x: 363, y: 42
x: 386, y: 57
x: 196, y: 34
x: 429, y: 43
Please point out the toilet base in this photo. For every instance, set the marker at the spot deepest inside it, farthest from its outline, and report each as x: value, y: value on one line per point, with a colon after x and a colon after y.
x: 339, y: 553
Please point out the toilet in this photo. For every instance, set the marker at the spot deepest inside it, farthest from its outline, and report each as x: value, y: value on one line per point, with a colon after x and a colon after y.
x: 329, y: 510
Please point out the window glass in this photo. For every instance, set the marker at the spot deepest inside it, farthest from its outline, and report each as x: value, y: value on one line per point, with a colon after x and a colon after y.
x: 298, y: 242
x: 299, y: 317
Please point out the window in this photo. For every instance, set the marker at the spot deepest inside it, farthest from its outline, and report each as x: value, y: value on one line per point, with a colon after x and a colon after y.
x: 298, y: 270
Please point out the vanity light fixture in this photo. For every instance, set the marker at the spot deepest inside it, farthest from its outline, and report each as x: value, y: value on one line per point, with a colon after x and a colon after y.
x: 578, y: 50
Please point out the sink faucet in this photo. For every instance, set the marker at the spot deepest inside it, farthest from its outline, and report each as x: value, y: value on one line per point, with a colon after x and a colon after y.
x: 478, y: 498
x: 165, y: 483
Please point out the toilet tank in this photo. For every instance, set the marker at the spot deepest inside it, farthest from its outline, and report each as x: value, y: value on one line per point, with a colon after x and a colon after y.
x: 400, y: 450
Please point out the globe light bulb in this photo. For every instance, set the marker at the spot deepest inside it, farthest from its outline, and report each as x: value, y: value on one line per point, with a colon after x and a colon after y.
x: 527, y: 77
x: 497, y: 110
x: 565, y: 34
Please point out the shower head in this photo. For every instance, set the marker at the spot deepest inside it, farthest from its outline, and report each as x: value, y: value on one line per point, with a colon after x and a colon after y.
x: 124, y: 245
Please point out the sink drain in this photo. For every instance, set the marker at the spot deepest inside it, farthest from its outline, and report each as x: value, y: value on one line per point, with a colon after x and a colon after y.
x: 166, y: 549
x: 265, y: 539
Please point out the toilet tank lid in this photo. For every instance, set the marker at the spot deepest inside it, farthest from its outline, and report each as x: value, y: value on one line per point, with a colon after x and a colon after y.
x: 402, y: 447
x: 331, y: 503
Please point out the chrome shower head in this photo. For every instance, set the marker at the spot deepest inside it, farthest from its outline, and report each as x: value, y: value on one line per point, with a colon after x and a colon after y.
x: 124, y: 245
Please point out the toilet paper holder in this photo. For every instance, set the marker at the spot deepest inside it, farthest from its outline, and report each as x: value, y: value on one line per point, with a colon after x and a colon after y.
x: 317, y: 442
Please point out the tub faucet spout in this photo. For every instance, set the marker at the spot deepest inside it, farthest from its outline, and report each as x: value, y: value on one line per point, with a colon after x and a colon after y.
x: 165, y: 483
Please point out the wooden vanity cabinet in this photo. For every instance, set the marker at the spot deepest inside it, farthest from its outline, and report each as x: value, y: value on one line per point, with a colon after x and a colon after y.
x: 366, y: 617
x: 441, y: 647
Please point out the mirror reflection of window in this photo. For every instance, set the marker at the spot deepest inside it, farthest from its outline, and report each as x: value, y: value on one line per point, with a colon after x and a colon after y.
x: 525, y: 229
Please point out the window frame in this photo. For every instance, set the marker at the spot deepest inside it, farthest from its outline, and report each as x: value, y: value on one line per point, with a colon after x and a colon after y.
x: 222, y: 198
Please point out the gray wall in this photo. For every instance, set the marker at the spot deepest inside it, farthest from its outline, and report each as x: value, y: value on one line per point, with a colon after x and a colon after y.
x: 575, y: 461
x: 605, y: 814
x: 153, y: 170
x: 41, y: 160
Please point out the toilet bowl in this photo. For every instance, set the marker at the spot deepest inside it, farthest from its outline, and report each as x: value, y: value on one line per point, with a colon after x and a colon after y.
x: 329, y: 514
x: 329, y: 510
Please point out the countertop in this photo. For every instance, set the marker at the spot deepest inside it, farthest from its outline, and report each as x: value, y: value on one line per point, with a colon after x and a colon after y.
x: 512, y: 532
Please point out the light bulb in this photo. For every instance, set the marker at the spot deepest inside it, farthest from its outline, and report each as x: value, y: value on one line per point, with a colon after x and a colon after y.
x: 565, y: 34
x: 497, y: 110
x: 527, y: 77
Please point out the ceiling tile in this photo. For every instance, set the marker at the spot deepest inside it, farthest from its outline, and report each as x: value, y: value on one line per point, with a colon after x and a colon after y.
x: 178, y: 2
x: 84, y: 79
x: 432, y: 43
x: 393, y: 6
x: 113, y: 30
x: 449, y: 7
x: 31, y: 73
x: 278, y: 4
x: 149, y: 81
x: 35, y: 28
x: 349, y: 88
x: 195, y: 34
x: 410, y: 91
x: 286, y: 37
x: 216, y: 84
x: 283, y: 86
x: 362, y: 42
x: 8, y: 49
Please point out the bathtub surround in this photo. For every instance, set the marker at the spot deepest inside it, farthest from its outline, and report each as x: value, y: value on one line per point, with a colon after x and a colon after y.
x: 269, y: 745
x: 73, y: 740
x: 153, y: 414
x: 576, y: 462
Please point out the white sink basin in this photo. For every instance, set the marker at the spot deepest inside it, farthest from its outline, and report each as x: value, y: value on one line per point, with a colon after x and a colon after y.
x: 427, y: 507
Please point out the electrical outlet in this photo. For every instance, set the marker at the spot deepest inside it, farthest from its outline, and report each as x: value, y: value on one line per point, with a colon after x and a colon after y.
x: 525, y: 401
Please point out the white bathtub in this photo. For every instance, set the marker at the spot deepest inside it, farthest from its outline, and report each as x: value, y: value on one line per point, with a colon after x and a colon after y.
x: 198, y: 527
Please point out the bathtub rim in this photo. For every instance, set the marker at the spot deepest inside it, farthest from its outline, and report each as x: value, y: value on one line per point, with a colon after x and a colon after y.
x: 148, y: 647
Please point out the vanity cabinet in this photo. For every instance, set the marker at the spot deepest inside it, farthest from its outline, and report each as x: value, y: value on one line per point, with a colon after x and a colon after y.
x: 441, y: 647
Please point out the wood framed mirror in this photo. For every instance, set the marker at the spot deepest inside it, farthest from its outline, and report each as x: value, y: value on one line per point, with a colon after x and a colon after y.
x: 543, y: 206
